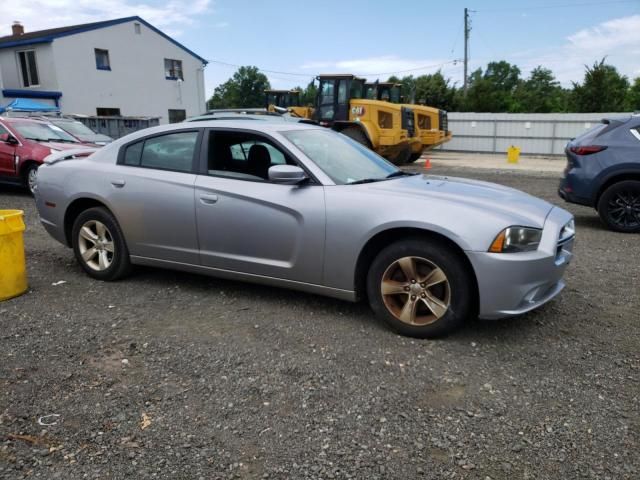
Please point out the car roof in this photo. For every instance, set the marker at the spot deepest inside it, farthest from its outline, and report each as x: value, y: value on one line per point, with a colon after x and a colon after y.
x: 22, y: 120
x: 264, y: 127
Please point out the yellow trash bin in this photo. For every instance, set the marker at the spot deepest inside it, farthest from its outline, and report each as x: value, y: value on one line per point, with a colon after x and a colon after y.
x: 13, y: 272
x: 513, y: 154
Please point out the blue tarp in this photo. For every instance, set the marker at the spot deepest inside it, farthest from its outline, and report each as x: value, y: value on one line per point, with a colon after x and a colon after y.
x: 26, y: 105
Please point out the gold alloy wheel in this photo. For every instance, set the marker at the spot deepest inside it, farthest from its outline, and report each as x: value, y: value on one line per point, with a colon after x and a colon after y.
x: 415, y: 291
x: 96, y: 245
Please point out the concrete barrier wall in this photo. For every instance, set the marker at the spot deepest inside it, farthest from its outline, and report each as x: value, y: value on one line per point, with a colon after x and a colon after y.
x: 534, y: 133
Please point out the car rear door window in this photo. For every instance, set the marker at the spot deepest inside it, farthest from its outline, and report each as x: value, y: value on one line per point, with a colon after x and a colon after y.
x: 173, y: 151
x: 132, y: 154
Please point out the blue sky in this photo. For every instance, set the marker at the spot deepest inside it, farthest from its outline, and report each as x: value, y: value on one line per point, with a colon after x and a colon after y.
x: 371, y: 37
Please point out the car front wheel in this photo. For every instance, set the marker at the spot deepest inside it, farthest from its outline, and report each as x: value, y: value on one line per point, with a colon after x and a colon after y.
x: 619, y: 206
x: 99, y: 245
x: 420, y: 288
x: 31, y: 177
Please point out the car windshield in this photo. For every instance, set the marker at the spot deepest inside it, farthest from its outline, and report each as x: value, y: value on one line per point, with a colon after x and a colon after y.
x: 43, y: 132
x: 344, y: 160
x: 75, y: 128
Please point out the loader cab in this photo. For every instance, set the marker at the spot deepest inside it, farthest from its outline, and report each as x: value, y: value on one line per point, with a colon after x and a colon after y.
x: 282, y: 98
x: 383, y: 91
x: 334, y: 95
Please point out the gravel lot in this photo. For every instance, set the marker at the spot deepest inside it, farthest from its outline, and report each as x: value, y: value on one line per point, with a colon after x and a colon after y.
x: 171, y: 375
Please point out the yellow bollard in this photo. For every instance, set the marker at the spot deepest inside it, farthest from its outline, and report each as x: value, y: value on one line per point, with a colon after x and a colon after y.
x: 13, y: 272
x: 513, y: 154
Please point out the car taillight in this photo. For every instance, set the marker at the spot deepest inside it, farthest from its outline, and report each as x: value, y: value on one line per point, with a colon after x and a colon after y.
x: 588, y: 149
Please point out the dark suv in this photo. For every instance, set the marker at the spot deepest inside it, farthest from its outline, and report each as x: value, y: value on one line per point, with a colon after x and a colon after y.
x: 603, y: 171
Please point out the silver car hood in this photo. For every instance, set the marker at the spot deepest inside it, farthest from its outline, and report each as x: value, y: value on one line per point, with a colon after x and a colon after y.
x: 483, y: 196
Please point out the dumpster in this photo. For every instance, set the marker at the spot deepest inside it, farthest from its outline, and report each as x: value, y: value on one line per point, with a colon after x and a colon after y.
x: 513, y: 154
x: 13, y: 272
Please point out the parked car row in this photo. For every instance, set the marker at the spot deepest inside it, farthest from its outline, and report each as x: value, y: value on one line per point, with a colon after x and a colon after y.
x: 26, y: 141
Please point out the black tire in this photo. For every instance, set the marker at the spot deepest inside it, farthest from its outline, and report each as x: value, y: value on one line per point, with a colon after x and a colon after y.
x: 402, y: 157
x: 28, y: 175
x: 355, y: 133
x: 619, y: 206
x: 458, y: 288
x: 119, y: 263
x: 414, y: 157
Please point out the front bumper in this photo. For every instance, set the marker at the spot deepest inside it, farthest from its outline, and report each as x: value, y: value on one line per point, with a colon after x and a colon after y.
x: 514, y: 283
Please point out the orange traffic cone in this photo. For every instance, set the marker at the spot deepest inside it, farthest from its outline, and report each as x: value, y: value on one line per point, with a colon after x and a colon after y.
x: 427, y: 164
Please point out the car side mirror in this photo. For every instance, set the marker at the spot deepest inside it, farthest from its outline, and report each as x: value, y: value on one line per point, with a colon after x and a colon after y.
x: 8, y: 138
x: 287, y: 174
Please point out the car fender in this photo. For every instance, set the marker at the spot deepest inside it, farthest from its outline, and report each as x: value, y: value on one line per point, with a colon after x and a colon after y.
x: 607, y: 175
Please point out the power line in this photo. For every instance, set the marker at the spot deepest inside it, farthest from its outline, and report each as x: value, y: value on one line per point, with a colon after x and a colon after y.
x: 426, y: 67
x: 307, y: 75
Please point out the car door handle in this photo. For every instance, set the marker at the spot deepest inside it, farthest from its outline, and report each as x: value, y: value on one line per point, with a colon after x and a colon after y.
x: 118, y: 183
x: 208, y: 199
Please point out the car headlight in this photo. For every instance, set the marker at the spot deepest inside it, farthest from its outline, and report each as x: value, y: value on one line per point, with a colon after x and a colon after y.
x: 516, y: 239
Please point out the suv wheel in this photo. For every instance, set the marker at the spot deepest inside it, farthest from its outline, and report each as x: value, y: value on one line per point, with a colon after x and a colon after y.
x: 619, y: 206
x: 420, y: 288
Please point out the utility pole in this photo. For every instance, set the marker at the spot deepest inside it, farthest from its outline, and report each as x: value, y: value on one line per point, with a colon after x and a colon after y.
x: 467, y: 29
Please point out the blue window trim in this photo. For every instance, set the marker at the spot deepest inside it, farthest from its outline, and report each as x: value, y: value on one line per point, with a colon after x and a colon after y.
x: 97, y: 26
x: 103, y: 68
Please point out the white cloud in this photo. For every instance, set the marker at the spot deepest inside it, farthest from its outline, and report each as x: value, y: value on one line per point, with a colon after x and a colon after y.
x: 618, y: 40
x: 171, y: 15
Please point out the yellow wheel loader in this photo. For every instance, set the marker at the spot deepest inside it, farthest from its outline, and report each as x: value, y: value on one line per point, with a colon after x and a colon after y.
x: 280, y: 101
x: 432, y: 125
x: 386, y: 128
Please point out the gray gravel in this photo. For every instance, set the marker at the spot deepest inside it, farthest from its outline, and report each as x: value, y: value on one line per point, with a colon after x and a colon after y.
x: 170, y: 375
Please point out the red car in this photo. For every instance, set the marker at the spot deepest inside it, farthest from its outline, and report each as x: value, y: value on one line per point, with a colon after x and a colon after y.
x: 24, y: 144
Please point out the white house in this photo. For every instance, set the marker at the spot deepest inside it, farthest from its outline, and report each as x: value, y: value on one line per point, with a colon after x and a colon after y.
x: 117, y: 67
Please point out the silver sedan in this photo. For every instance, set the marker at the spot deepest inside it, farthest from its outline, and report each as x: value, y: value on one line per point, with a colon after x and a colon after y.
x: 303, y: 207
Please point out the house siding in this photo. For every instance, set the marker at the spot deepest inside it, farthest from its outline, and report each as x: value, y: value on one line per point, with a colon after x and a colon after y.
x: 135, y: 84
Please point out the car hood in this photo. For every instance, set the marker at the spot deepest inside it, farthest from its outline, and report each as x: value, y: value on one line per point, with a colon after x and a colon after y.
x: 94, y: 139
x: 62, y: 145
x: 519, y: 206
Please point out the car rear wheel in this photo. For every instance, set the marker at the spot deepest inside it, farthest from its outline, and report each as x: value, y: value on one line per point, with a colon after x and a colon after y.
x: 30, y: 177
x: 99, y: 245
x: 619, y: 206
x: 420, y: 288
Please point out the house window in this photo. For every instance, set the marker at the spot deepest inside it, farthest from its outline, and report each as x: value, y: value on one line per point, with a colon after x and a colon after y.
x: 28, y: 67
x: 108, y: 112
x: 173, y: 69
x: 136, y: 28
x: 176, y: 116
x: 102, y: 59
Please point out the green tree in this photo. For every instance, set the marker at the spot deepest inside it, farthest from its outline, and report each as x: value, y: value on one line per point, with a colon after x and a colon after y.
x: 493, y: 90
x: 540, y: 93
x: 308, y: 95
x: 245, y: 89
x: 603, y: 89
x: 633, y: 96
x: 435, y: 91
